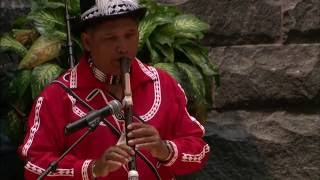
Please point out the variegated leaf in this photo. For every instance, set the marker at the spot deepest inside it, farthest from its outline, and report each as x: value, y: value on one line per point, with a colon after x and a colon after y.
x: 195, y: 79
x: 154, y: 56
x: 43, y: 49
x: 8, y: 43
x: 189, y: 23
x: 48, y: 20
x: 195, y: 55
x: 167, y: 52
x: 42, y: 75
x: 149, y: 24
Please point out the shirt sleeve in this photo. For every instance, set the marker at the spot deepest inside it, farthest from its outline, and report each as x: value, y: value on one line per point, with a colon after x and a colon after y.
x: 45, y: 142
x: 190, y: 151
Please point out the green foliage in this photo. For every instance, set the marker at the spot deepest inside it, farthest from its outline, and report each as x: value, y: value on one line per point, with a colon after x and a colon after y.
x: 42, y: 75
x: 42, y: 50
x: 169, y: 40
x: 10, y: 44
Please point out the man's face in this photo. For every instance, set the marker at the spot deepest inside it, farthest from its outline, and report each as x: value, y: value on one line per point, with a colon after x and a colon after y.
x: 110, y: 40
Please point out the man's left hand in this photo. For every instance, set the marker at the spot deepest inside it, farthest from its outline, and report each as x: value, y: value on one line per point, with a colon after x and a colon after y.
x: 147, y: 137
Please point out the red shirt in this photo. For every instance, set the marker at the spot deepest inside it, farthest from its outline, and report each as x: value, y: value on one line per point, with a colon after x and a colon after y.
x: 157, y: 99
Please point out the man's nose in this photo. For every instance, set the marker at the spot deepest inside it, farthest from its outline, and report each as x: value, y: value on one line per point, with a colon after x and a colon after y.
x: 122, y: 47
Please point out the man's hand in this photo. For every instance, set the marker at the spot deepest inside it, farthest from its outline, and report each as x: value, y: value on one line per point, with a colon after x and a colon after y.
x: 112, y: 159
x: 147, y: 137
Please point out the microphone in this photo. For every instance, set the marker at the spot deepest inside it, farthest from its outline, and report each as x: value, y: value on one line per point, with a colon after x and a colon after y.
x: 113, y: 107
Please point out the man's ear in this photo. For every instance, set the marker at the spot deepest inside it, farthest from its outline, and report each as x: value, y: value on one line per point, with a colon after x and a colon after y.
x: 86, y: 41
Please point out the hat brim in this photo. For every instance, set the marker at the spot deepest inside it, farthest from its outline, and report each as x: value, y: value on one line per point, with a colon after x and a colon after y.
x: 79, y: 25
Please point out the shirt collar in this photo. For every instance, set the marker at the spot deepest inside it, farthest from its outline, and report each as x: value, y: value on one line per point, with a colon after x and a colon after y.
x: 83, y: 77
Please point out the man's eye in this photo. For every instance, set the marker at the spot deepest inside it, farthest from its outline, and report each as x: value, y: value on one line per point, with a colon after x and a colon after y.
x: 129, y: 35
x: 109, y: 38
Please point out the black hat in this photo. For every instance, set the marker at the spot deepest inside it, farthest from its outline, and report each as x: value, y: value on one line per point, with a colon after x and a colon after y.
x: 93, y: 11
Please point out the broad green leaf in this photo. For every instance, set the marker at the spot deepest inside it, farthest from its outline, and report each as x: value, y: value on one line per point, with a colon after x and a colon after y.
x: 162, y: 36
x: 59, y: 35
x: 196, y: 56
x: 171, y: 69
x: 149, y: 24
x: 74, y: 7
x: 189, y: 26
x: 43, y: 75
x: 195, y: 78
x: 42, y: 50
x: 8, y: 43
x: 20, y: 22
x: 154, y: 56
x: 48, y: 20
x: 20, y: 84
x: 170, y: 11
x: 37, y: 5
x: 167, y: 51
x: 151, y: 5
x: 54, y: 5
x: 176, y: 73
x: 189, y: 23
x: 180, y: 41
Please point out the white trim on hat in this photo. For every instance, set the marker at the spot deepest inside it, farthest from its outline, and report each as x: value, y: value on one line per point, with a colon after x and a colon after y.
x: 109, y: 7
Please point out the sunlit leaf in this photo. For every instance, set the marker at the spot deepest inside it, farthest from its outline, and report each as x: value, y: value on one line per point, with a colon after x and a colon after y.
x: 43, y: 49
x: 10, y: 44
x: 42, y: 75
x: 189, y: 23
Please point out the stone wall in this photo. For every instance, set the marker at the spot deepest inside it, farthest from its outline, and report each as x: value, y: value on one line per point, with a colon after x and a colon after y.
x: 265, y: 120
x: 10, y: 10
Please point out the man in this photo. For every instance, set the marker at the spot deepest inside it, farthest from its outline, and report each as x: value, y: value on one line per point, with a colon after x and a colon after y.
x: 168, y: 140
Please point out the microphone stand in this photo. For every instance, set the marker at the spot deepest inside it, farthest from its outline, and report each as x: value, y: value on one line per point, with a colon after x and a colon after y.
x: 53, y: 165
x: 69, y: 38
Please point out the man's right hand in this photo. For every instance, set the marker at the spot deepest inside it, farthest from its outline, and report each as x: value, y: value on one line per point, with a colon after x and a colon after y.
x: 112, y: 159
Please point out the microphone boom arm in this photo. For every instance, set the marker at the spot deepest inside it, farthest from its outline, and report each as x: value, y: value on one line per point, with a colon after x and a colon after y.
x: 53, y: 165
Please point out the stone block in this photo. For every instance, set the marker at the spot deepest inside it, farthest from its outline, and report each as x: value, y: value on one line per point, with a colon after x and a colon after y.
x: 267, y: 75
x: 269, y: 144
x: 302, y: 22
x: 237, y: 22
